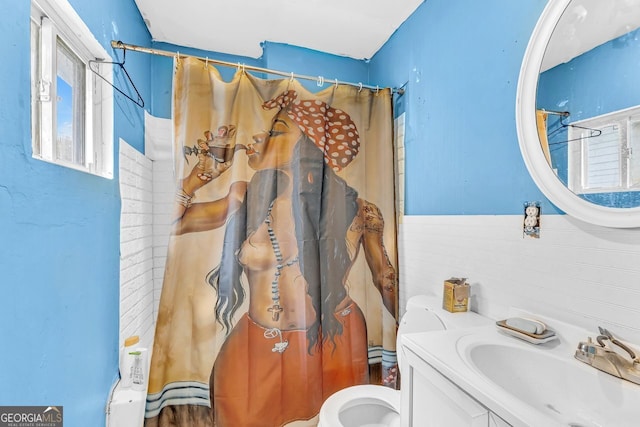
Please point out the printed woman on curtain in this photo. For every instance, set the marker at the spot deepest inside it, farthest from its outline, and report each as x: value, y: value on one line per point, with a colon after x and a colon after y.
x: 293, y: 233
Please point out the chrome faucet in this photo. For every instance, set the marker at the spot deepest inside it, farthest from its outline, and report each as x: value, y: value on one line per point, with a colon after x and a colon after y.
x: 601, y: 356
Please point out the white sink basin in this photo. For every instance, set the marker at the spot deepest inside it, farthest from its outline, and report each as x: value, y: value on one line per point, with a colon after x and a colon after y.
x: 554, y: 383
x: 529, y: 385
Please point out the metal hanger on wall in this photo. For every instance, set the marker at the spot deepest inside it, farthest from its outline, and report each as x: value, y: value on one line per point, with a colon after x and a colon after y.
x: 139, y: 101
x: 563, y: 125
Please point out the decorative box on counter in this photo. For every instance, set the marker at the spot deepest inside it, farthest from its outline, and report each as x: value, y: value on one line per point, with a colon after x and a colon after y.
x: 455, y: 297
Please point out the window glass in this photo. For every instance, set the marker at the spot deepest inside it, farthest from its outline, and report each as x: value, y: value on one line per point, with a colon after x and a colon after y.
x: 70, y: 76
x: 603, y: 158
x: 604, y: 153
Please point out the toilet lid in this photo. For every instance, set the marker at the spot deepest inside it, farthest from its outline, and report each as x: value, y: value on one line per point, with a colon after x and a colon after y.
x: 420, y: 320
x: 352, y: 396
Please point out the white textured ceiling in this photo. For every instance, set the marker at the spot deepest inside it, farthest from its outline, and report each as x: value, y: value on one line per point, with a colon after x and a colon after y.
x: 586, y: 24
x: 352, y: 28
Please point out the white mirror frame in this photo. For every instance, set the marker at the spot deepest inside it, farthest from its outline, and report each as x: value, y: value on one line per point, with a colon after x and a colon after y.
x: 534, y: 158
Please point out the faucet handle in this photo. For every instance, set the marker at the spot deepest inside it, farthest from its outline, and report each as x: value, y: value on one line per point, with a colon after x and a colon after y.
x: 606, y: 335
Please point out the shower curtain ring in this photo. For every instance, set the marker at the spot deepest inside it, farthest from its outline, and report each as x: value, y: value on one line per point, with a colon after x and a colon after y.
x: 359, y: 87
x: 336, y: 83
x: 320, y: 81
x: 291, y: 79
x: 206, y: 62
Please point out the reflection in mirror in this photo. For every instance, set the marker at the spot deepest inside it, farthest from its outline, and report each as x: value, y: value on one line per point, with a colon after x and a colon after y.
x: 588, y: 101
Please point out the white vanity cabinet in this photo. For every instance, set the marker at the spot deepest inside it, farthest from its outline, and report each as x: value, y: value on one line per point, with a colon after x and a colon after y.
x: 429, y: 399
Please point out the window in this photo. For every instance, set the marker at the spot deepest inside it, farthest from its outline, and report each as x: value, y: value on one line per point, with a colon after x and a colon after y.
x: 604, y: 153
x: 72, y: 107
x: 399, y: 122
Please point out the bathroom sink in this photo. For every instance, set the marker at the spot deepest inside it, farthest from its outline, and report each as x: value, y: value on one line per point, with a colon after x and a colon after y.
x: 527, y: 384
x: 555, y: 384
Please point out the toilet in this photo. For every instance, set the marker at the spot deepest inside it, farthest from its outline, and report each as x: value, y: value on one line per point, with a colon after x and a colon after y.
x: 379, y: 406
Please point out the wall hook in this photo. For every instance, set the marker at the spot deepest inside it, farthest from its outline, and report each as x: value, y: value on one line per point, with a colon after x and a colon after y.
x: 138, y: 101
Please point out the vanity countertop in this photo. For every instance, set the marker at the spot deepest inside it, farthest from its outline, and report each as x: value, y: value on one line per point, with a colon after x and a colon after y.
x: 528, y: 384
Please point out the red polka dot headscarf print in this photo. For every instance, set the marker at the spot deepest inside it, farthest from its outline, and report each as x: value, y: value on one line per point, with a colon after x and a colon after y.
x: 331, y: 129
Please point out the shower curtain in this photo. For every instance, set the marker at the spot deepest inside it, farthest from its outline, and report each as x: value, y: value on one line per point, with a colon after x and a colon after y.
x: 280, y: 285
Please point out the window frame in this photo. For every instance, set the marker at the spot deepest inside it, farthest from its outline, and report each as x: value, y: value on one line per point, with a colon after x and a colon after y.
x: 57, y: 22
x: 579, y: 135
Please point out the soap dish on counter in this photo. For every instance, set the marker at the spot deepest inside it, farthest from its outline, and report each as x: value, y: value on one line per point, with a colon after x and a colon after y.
x: 545, y: 336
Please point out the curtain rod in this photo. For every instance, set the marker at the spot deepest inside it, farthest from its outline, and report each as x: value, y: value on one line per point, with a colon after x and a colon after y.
x: 116, y: 44
x: 558, y: 113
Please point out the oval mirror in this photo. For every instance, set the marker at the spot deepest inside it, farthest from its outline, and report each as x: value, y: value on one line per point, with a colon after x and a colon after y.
x: 578, y: 109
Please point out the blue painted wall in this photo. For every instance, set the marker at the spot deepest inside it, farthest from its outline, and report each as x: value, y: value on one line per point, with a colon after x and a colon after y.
x: 602, y: 80
x: 59, y: 236
x: 315, y: 64
x: 461, y: 60
x: 60, y: 228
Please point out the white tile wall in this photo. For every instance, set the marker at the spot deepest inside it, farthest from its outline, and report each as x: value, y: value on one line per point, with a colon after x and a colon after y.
x: 579, y: 273
x: 136, y: 240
